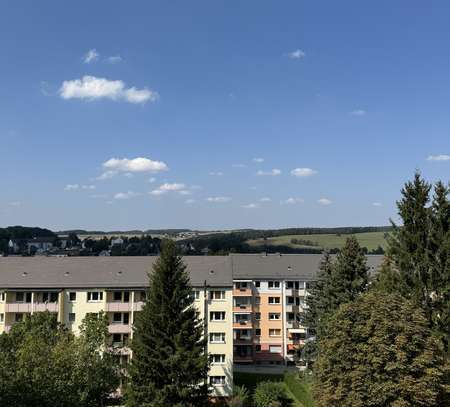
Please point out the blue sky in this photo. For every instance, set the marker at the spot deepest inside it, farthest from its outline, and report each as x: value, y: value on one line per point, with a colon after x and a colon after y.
x: 219, y: 114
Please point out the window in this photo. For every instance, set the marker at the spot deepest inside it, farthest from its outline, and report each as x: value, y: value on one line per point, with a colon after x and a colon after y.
x: 121, y: 318
x: 257, y: 316
x: 23, y: 297
x: 274, y: 332
x: 257, y: 284
x: 117, y: 296
x: 71, y: 317
x: 275, y: 349
x: 2, y: 318
x: 290, y: 316
x: 2, y: 296
x: 274, y: 300
x: 217, y: 295
x: 257, y: 332
x: 50, y: 297
x: 258, y: 348
x: 18, y: 317
x: 217, y: 337
x: 241, y: 285
x: 290, y: 300
x: 257, y: 300
x: 217, y: 316
x: 289, y: 284
x: 274, y: 284
x: 94, y: 296
x: 274, y: 316
x: 117, y: 338
x: 217, y: 380
x: 142, y: 296
x: 196, y: 294
x: 72, y: 296
x: 217, y: 359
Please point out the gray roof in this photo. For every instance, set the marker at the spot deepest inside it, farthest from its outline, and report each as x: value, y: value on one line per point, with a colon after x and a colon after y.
x: 131, y: 272
x: 284, y: 266
x: 103, y: 272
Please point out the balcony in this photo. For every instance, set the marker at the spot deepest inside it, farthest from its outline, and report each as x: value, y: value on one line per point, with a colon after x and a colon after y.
x: 18, y: 307
x: 45, y: 306
x: 242, y: 307
x: 119, y: 328
x: 137, y: 306
x: 118, y: 307
x: 242, y: 292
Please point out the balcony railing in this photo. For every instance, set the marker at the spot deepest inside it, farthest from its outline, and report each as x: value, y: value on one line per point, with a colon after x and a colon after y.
x: 119, y: 328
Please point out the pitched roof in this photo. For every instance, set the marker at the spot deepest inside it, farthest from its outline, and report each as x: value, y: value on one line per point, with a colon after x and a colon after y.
x: 131, y: 272
x: 297, y: 266
x: 103, y: 272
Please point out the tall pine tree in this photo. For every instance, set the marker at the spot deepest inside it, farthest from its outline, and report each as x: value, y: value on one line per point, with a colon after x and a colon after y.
x: 169, y: 365
x: 420, y: 251
x: 337, y: 283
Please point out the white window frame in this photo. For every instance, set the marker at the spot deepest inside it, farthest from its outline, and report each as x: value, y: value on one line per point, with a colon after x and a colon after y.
x: 274, y: 285
x: 214, y: 314
x: 74, y: 317
x: 91, y: 293
x: 275, y: 329
x: 217, y: 359
x: 274, y: 316
x: 274, y: 303
x: 220, y: 334
x: 219, y: 297
x: 221, y: 380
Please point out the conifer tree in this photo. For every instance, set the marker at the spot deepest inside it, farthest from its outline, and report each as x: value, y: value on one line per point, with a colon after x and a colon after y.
x: 337, y: 283
x: 420, y: 252
x: 169, y: 365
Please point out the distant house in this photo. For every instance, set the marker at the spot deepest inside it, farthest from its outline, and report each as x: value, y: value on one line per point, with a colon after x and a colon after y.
x: 14, y: 245
x: 117, y: 242
x: 40, y: 244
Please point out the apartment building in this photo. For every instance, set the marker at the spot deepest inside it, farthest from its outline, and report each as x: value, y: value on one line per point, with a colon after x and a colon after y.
x: 269, y: 293
x: 72, y: 287
x: 252, y: 304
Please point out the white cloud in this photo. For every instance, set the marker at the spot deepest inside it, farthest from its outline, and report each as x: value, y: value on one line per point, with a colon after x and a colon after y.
x: 238, y: 165
x: 15, y: 204
x: 251, y: 206
x: 258, y: 160
x: 217, y: 174
x: 106, y: 175
x: 358, y: 112
x: 265, y: 199
x: 93, y: 88
x: 274, y: 172
x: 292, y: 201
x: 46, y: 88
x: 303, y: 172
x: 440, y: 157
x: 297, y: 54
x: 218, y: 199
x: 125, y: 195
x: 376, y: 204
x: 152, y: 180
x: 138, y: 164
x: 75, y: 187
x: 115, y: 59
x: 185, y: 192
x: 99, y: 196
x: 324, y: 201
x: 167, y: 187
x: 189, y: 201
x: 91, y: 56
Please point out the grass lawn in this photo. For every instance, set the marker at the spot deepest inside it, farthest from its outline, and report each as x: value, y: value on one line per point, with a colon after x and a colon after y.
x: 299, y: 390
x: 371, y: 240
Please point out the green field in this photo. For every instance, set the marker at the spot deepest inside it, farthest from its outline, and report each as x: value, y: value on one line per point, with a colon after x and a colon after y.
x: 371, y: 240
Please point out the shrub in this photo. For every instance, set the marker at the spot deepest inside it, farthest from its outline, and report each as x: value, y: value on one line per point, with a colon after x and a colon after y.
x: 271, y: 394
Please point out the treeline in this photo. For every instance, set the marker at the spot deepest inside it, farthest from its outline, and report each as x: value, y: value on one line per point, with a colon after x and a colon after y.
x: 133, y: 246
x: 169, y: 232
x: 236, y: 242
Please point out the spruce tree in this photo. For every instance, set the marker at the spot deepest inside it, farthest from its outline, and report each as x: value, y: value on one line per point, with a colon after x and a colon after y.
x: 169, y: 365
x: 420, y: 252
x: 337, y: 283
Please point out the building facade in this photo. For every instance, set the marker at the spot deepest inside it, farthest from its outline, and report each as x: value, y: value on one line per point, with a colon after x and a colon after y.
x: 252, y: 305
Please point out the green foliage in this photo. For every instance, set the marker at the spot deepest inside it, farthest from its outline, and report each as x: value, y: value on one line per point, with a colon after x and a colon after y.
x: 379, y: 351
x: 300, y: 387
x: 337, y: 283
x: 420, y: 252
x: 271, y: 394
x: 240, y: 398
x: 169, y: 365
x: 43, y: 364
